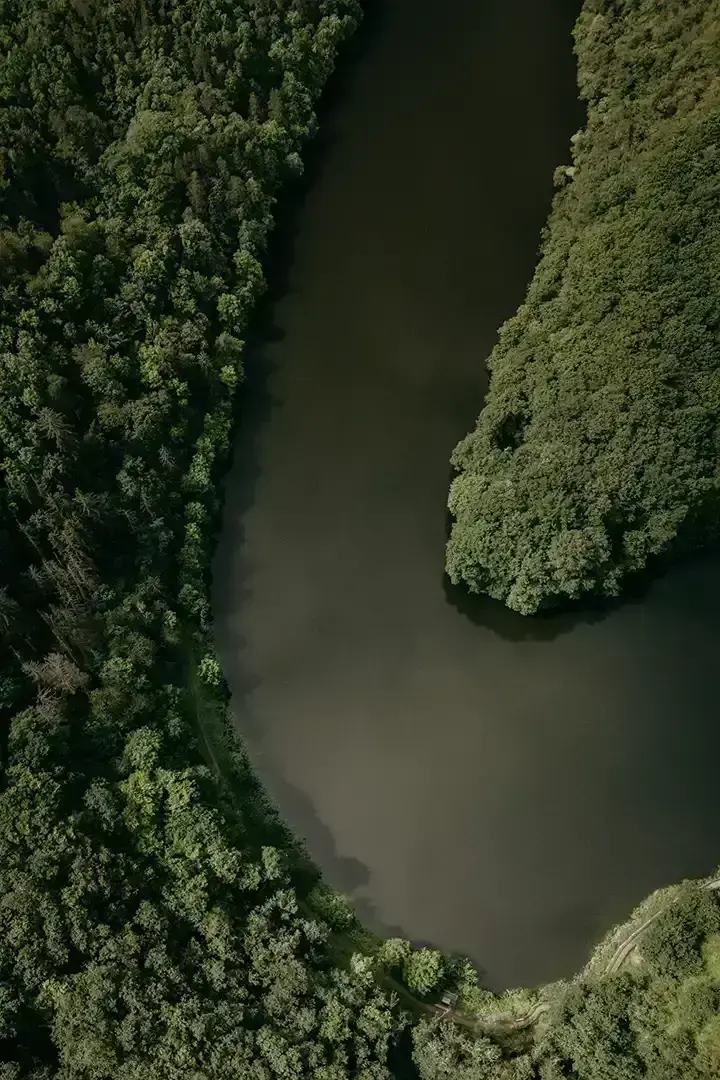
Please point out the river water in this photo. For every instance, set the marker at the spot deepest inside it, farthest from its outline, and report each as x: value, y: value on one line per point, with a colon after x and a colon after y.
x: 500, y: 786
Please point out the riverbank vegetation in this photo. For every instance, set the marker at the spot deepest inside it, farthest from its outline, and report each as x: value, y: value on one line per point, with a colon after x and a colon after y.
x: 157, y: 920
x: 647, y: 1006
x: 597, y: 449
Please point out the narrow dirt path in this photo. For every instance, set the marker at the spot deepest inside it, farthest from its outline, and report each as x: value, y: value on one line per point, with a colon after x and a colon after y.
x: 626, y: 947
x: 506, y: 1022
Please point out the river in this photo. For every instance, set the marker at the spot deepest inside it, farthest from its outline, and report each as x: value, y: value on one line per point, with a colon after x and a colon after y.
x: 503, y: 787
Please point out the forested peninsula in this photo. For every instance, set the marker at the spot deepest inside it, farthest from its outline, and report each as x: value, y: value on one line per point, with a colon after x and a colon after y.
x: 598, y: 448
x: 157, y: 919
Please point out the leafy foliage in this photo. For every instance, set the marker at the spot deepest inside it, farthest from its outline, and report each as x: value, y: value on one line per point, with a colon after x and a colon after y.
x: 157, y: 921
x: 424, y: 970
x: 672, y: 943
x: 598, y: 446
x: 658, y: 1018
x: 154, y: 915
x: 445, y: 1052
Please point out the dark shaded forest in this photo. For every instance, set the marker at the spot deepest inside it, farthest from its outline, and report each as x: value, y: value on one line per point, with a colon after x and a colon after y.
x: 597, y: 450
x: 157, y: 920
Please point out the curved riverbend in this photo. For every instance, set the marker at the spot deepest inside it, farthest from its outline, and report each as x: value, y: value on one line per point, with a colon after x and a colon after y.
x: 505, y: 787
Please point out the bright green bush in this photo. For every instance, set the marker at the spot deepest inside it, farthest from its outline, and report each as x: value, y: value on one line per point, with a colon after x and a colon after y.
x: 424, y: 970
x: 672, y: 944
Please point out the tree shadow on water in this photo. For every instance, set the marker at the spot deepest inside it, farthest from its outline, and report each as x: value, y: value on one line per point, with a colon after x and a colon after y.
x: 493, y: 615
x: 346, y: 874
x: 350, y: 876
x: 547, y: 625
x: 259, y: 398
x: 255, y: 403
x: 638, y: 590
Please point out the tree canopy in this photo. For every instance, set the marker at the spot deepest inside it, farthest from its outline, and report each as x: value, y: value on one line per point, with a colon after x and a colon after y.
x: 157, y: 920
x: 598, y: 446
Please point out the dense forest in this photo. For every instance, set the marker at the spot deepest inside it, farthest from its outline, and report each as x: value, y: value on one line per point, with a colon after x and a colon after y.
x: 157, y: 920
x: 597, y: 450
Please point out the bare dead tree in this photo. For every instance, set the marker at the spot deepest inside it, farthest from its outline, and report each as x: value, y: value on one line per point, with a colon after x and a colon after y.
x: 54, y: 426
x: 8, y: 610
x: 57, y: 671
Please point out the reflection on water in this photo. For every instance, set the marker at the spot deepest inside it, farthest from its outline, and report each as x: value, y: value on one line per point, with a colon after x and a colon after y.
x: 499, y: 786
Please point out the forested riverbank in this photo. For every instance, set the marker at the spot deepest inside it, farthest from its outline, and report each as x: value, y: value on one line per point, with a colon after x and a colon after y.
x: 597, y: 447
x: 157, y: 920
x: 153, y: 923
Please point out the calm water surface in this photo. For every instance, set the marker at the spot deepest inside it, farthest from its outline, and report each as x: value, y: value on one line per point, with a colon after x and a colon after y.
x: 504, y: 787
